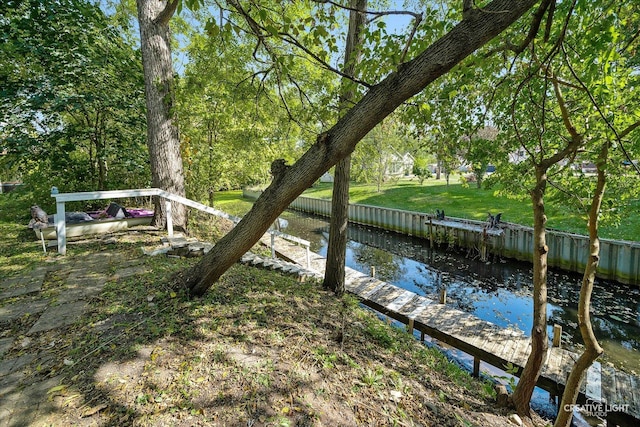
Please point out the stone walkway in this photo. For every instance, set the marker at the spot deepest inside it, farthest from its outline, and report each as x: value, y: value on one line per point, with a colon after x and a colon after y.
x: 34, y: 308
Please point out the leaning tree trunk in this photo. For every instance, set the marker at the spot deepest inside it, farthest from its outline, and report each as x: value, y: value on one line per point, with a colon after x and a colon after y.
x: 476, y: 29
x: 334, y: 276
x: 162, y: 134
x: 592, y: 349
x: 539, y: 344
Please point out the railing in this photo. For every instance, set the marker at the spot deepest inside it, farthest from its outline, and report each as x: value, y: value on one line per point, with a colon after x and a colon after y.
x: 62, y: 198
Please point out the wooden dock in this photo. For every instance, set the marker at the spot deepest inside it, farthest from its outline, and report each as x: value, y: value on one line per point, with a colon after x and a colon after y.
x: 617, y: 391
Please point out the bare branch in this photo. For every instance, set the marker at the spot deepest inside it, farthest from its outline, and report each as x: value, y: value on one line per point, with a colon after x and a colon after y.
x: 631, y: 41
x: 566, y: 119
x: 547, y: 29
x: 416, y: 22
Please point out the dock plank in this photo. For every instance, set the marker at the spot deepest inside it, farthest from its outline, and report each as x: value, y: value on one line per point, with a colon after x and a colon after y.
x: 483, y: 334
x: 372, y: 288
x: 553, y: 367
x: 635, y: 386
x: 608, y: 384
x: 386, y: 295
x: 399, y: 302
x: 507, y: 351
x: 623, y: 388
x: 423, y: 305
x: 429, y: 315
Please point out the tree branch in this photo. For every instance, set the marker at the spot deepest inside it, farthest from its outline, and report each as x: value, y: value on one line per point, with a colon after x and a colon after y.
x: 259, y: 31
x: 533, y: 30
x: 467, y: 8
x: 376, y: 14
x: 417, y: 19
x: 168, y: 11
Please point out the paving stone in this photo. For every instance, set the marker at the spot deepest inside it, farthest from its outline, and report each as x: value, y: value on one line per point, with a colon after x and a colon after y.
x: 11, y: 312
x: 27, y: 406
x: 59, y: 315
x: 9, y: 384
x: 11, y: 283
x: 12, y: 365
x: 76, y: 292
x: 5, y: 345
x: 20, y: 290
x: 22, y: 285
x: 37, y: 392
x: 130, y: 271
x: 5, y: 416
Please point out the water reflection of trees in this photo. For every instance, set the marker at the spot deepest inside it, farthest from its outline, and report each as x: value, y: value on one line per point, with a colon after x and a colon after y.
x: 388, y: 266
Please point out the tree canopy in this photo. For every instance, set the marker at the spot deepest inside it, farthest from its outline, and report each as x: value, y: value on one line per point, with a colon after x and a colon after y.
x: 71, y: 102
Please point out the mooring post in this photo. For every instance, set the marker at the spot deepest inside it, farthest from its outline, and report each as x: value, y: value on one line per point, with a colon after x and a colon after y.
x: 373, y: 271
x: 410, y: 326
x: 443, y: 295
x: 476, y: 367
x: 431, y: 232
x: 557, y: 335
x: 483, y: 246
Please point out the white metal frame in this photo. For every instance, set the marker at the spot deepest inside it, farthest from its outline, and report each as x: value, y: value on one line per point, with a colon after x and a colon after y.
x: 62, y: 198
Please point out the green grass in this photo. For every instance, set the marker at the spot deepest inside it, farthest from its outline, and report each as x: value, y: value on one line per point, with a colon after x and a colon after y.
x: 18, y: 242
x: 473, y: 203
x: 232, y: 202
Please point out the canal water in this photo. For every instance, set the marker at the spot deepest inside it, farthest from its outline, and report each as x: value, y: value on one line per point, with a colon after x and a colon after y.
x: 498, y: 291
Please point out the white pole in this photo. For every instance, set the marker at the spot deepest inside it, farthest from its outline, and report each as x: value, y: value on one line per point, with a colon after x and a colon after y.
x: 61, y: 228
x: 169, y: 218
x: 44, y: 246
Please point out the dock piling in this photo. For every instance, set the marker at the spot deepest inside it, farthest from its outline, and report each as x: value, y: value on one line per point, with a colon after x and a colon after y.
x: 557, y: 335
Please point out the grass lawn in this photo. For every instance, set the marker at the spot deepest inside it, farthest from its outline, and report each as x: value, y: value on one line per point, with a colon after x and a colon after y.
x: 473, y: 203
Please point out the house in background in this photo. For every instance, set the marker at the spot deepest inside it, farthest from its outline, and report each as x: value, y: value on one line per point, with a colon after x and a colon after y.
x: 326, y: 177
x: 399, y: 164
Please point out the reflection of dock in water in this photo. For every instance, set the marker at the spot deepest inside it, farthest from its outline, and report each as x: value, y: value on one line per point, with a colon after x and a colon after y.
x: 618, y: 391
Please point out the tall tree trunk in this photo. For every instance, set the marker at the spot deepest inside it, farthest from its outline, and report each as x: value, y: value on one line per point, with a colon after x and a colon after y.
x: 381, y: 100
x: 539, y: 343
x: 592, y: 349
x: 334, y: 275
x: 162, y: 134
